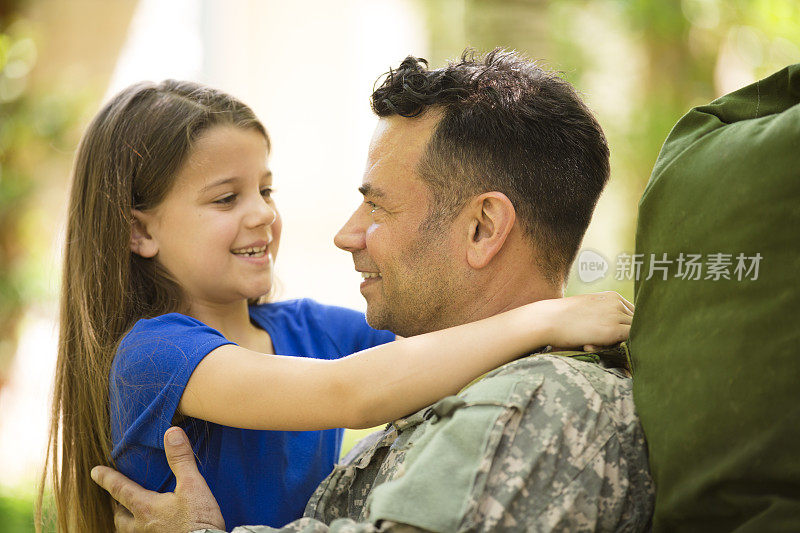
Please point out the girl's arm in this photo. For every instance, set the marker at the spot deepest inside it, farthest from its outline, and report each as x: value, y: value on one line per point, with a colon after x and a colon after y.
x: 237, y: 387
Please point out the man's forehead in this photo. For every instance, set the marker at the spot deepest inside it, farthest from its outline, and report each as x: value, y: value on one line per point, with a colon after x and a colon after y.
x: 397, y: 145
x: 402, y: 139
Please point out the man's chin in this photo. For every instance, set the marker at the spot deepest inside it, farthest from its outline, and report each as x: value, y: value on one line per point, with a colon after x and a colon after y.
x: 373, y: 322
x: 376, y: 319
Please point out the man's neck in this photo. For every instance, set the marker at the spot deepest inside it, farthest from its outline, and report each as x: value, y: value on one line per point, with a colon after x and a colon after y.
x: 514, y: 277
x: 508, y: 295
x: 488, y: 293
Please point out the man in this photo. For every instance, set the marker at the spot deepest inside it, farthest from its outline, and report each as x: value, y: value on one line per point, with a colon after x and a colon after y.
x: 480, y: 182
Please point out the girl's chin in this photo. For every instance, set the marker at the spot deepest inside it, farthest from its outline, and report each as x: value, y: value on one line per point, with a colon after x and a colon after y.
x: 256, y: 299
x: 260, y: 292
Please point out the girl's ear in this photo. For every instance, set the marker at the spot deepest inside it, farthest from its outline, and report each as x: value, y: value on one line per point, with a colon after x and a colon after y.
x: 142, y: 243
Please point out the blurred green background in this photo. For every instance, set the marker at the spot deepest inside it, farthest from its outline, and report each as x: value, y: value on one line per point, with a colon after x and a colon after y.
x: 641, y: 64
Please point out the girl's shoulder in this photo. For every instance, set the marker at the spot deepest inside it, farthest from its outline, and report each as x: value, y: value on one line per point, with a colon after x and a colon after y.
x: 303, y: 309
x: 308, y: 312
x: 345, y: 329
x: 169, y: 326
x: 173, y: 335
x: 165, y: 322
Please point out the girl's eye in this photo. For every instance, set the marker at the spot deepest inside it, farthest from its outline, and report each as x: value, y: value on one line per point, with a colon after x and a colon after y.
x: 266, y: 192
x: 225, y: 199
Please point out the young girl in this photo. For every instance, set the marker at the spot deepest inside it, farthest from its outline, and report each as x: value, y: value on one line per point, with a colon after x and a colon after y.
x: 171, y: 237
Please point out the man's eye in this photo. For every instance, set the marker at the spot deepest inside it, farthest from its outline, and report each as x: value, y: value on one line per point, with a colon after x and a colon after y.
x: 225, y: 199
x: 371, y: 205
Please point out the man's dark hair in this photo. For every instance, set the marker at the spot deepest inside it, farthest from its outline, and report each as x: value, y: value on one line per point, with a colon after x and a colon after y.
x: 507, y: 125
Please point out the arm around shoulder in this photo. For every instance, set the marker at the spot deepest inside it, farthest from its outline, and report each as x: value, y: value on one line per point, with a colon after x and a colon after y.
x: 580, y: 456
x: 343, y: 525
x: 531, y: 444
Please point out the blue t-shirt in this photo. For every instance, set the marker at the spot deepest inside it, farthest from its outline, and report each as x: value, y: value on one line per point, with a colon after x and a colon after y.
x: 258, y: 477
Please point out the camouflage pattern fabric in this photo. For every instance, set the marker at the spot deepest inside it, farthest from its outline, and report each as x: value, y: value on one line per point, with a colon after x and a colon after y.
x: 546, y: 443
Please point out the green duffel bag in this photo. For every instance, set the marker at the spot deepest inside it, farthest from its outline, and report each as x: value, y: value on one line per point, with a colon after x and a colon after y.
x: 715, y: 342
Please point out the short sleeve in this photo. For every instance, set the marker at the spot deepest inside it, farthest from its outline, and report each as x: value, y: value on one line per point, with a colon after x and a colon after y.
x: 148, y: 376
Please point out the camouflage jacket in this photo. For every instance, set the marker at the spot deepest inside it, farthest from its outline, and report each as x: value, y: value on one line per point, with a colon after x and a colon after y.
x: 546, y: 443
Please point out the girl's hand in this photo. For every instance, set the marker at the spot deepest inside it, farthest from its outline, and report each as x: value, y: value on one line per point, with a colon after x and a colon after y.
x: 587, y: 320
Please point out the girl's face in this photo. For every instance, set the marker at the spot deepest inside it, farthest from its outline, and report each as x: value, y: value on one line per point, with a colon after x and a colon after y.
x: 217, y: 231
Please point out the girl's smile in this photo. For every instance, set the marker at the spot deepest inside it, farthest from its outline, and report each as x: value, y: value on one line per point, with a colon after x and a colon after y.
x: 256, y: 253
x: 257, y: 249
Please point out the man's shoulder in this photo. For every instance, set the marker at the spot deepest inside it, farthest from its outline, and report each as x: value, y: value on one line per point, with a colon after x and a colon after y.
x: 565, y: 384
x: 562, y: 369
x: 577, y: 444
x: 568, y: 365
x: 519, y: 440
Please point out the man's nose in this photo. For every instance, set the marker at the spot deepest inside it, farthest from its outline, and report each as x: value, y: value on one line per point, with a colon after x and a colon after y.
x: 352, y: 236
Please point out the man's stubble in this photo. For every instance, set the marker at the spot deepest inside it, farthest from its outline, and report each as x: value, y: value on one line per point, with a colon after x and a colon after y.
x: 424, y: 296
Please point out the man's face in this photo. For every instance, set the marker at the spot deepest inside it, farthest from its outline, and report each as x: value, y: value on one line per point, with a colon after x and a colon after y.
x: 410, y: 273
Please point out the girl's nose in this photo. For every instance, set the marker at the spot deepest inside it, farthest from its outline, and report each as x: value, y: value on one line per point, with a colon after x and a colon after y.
x: 262, y: 214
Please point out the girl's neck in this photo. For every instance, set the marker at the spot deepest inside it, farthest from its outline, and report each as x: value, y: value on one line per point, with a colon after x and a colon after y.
x: 233, y: 321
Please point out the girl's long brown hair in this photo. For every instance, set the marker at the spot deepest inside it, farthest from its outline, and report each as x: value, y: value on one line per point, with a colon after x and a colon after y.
x: 127, y: 158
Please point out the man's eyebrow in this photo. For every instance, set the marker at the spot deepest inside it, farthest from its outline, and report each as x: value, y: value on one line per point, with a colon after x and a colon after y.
x: 370, y: 190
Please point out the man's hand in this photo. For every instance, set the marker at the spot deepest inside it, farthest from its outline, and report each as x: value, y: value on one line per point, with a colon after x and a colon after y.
x: 190, y: 507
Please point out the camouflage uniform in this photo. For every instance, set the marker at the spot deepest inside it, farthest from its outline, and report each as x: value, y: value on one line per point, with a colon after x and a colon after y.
x: 546, y: 443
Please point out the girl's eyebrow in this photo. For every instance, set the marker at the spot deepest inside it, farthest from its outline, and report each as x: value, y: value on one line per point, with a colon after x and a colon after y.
x: 223, y: 181
x: 232, y: 179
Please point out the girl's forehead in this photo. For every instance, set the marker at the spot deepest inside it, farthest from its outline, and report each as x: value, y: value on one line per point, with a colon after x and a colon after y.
x: 228, y: 142
x: 225, y: 152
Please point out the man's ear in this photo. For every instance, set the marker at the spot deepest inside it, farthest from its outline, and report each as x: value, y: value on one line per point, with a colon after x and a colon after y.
x: 491, y: 217
x: 142, y: 243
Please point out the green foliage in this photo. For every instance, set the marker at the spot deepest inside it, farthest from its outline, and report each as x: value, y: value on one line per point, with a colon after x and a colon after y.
x: 16, y: 513
x: 352, y: 436
x: 35, y: 129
